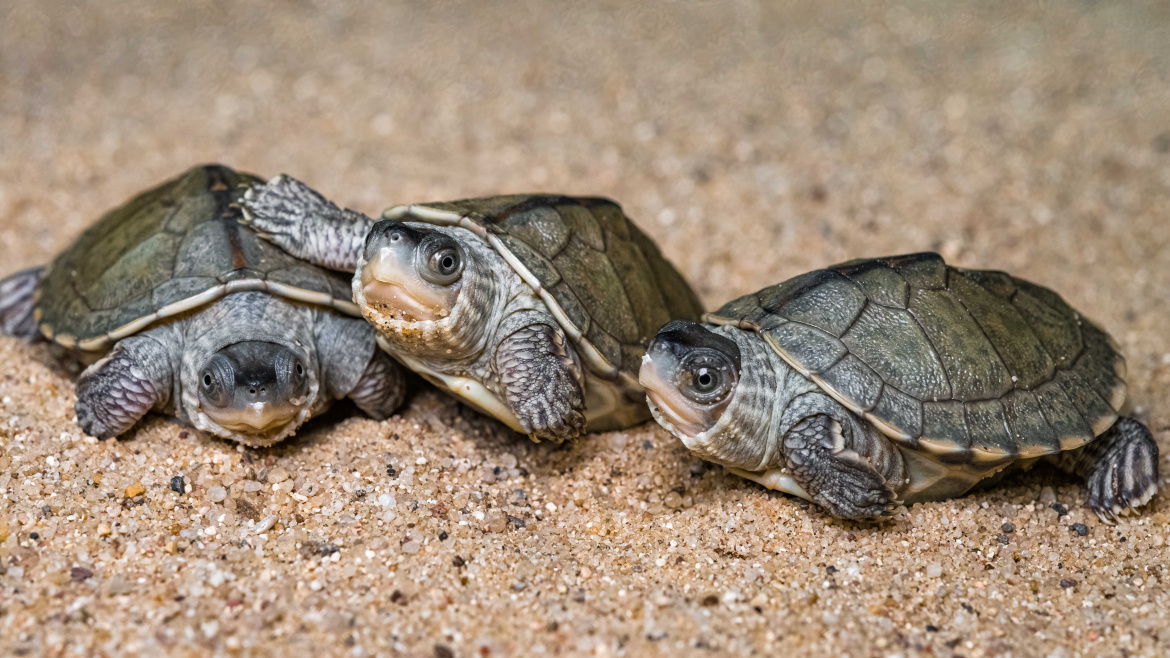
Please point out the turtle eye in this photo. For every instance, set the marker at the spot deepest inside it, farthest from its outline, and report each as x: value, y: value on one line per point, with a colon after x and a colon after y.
x: 210, y: 389
x: 442, y: 260
x: 706, y: 376
x: 300, y: 370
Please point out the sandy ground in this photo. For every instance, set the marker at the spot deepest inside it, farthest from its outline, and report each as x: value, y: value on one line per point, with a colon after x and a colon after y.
x: 755, y: 142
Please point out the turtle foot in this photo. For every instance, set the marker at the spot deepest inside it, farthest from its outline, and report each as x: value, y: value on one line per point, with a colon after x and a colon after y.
x: 16, y: 303
x: 1125, y: 472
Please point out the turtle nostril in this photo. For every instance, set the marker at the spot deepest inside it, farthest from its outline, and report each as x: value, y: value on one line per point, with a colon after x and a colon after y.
x: 395, y: 237
x: 252, y: 391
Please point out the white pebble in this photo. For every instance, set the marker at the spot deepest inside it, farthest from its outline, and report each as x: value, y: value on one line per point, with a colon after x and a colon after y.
x: 216, y: 494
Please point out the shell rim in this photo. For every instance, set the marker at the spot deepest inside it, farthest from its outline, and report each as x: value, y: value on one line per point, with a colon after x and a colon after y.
x: 190, y: 303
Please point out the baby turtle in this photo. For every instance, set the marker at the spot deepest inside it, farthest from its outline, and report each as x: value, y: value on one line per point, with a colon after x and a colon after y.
x: 901, y: 379
x: 534, y: 309
x: 206, y: 321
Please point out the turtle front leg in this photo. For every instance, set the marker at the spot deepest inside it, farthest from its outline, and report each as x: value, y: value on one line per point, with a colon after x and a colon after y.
x: 117, y: 391
x: 542, y: 382
x: 305, y: 224
x: 16, y: 303
x: 354, y: 367
x: 1120, y: 468
x: 837, y: 476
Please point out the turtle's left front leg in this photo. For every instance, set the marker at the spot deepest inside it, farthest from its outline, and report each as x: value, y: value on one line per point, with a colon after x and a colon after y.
x: 120, y: 389
x: 353, y: 366
x: 542, y: 381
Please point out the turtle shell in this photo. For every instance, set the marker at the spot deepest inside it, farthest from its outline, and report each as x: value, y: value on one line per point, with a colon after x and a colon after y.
x: 169, y: 250
x: 968, y: 365
x: 606, y: 283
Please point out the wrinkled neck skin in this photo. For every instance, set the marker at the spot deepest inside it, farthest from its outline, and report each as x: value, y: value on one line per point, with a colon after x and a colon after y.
x: 243, y: 316
x: 749, y: 434
x: 455, y: 344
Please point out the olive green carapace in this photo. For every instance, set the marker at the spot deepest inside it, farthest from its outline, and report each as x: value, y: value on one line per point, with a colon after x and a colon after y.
x: 166, y: 251
x: 605, y: 274
x: 970, y: 365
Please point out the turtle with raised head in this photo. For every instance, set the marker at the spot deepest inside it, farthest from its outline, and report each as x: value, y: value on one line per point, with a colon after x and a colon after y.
x: 534, y: 309
x: 901, y: 379
x: 189, y: 313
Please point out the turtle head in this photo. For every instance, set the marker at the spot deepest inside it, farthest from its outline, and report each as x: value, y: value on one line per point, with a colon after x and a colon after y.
x: 411, y: 273
x: 690, y: 373
x: 255, y: 389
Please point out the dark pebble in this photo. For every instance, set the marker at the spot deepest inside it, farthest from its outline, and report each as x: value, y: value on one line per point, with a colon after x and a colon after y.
x: 443, y: 651
x: 1008, y: 528
x: 79, y: 574
x: 646, y: 445
x: 1065, y: 583
x: 1080, y: 528
x: 831, y: 569
x: 1061, y: 510
x: 458, y: 561
x: 33, y: 535
x: 1003, y: 539
x: 442, y: 536
x: 709, y: 601
x: 518, y: 522
x: 178, y: 485
x: 931, y: 628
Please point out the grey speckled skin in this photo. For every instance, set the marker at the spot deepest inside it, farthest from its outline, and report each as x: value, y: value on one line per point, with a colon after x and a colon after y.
x: 902, y: 376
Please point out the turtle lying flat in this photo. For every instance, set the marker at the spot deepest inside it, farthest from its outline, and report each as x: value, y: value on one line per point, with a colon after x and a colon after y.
x: 205, y: 320
x: 901, y: 379
x: 534, y: 309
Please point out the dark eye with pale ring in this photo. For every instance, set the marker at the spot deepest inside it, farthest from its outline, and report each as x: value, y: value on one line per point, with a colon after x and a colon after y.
x: 442, y: 260
x: 706, y: 376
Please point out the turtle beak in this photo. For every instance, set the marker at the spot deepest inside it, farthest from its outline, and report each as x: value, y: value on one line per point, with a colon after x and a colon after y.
x: 389, y: 277
x: 657, y: 375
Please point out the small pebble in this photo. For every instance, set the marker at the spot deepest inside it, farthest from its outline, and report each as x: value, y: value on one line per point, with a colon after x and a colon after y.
x: 1008, y: 528
x: 1061, y: 510
x: 495, y: 521
x: 276, y: 475
x: 410, y: 548
x: 1080, y: 528
x: 177, y: 485
x: 1065, y: 583
x: 80, y: 574
x: 136, y: 489
x: 216, y: 494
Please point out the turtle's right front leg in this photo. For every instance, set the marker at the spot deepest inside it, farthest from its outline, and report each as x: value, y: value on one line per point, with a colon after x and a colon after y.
x: 305, y: 224
x: 114, y: 393
x: 542, y: 383
x: 838, y: 477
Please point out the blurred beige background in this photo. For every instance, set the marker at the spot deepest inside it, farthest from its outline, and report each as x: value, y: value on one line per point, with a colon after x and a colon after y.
x: 755, y: 141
